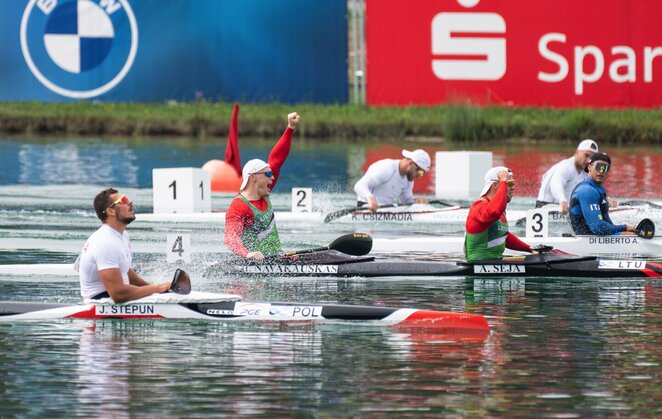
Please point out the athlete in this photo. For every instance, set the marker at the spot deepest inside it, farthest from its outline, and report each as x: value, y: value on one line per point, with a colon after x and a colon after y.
x: 589, y: 205
x: 487, y: 234
x: 104, y: 265
x: 250, y: 226
x: 391, y: 181
x: 559, y: 181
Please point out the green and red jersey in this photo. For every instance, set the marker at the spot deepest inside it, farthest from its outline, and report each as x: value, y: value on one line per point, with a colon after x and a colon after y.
x: 240, y: 218
x: 487, y: 234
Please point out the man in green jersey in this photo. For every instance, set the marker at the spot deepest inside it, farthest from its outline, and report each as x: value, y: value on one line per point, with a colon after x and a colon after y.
x: 487, y: 234
x: 250, y: 226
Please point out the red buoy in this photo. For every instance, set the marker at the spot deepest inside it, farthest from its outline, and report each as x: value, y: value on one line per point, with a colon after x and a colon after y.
x: 223, y: 176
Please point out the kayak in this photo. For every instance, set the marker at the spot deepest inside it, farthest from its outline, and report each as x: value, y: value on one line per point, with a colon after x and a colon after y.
x: 603, y: 246
x: 229, y: 307
x: 334, y: 263
x: 405, y: 214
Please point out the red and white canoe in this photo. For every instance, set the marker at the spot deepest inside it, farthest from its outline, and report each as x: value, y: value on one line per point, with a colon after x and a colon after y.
x: 229, y: 307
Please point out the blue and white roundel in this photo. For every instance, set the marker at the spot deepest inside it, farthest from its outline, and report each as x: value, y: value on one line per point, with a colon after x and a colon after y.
x: 79, y: 48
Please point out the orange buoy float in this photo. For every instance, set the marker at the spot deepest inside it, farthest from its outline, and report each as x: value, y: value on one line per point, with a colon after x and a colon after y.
x: 223, y: 176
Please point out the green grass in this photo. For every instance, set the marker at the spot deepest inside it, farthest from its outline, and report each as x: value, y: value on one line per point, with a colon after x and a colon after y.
x: 452, y: 123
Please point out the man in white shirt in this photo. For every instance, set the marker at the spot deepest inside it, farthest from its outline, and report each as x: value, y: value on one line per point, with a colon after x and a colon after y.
x: 391, y: 181
x: 104, y: 265
x: 559, y: 181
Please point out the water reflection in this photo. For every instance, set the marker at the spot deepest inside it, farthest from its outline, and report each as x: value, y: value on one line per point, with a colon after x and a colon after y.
x: 327, y: 166
x: 563, y: 347
x: 261, y: 370
x: 76, y: 163
x: 103, y: 372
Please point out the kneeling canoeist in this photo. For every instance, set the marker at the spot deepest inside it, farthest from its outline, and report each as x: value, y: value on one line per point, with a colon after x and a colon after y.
x: 392, y: 180
x: 589, y: 205
x: 487, y: 234
x: 250, y: 226
x: 104, y: 265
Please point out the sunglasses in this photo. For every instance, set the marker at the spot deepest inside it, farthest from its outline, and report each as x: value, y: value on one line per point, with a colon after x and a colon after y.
x: 419, y: 172
x: 121, y: 200
x: 268, y: 173
x: 509, y: 182
x: 601, y: 167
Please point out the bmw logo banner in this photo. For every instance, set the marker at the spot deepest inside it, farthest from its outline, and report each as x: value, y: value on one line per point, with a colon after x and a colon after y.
x: 79, y: 49
x: 150, y: 50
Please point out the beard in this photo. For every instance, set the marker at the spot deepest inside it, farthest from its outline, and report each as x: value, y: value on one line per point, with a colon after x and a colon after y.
x: 127, y: 219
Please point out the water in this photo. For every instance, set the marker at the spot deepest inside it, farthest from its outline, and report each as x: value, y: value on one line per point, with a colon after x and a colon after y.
x: 559, y: 347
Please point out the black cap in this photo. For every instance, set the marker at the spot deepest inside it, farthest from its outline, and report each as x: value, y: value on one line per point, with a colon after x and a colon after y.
x: 598, y: 157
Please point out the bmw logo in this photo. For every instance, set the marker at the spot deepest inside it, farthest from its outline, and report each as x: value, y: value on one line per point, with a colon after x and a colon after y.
x: 79, y: 48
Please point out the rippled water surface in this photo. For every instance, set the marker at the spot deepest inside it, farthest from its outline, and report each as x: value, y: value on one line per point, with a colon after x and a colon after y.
x: 559, y: 347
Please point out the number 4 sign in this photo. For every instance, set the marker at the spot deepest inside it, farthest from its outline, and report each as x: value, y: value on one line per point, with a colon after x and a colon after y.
x: 178, y: 248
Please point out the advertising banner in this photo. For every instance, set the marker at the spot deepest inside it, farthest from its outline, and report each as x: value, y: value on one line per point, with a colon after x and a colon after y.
x: 151, y: 50
x: 558, y: 53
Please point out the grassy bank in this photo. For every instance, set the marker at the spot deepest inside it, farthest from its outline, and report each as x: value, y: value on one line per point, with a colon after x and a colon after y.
x: 452, y: 123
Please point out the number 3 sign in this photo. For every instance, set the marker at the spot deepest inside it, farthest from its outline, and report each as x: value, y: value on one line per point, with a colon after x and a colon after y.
x: 537, y: 221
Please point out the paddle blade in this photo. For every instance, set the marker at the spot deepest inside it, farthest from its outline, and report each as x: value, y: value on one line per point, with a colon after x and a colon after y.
x: 340, y: 213
x: 646, y: 229
x: 356, y: 244
x: 181, y: 283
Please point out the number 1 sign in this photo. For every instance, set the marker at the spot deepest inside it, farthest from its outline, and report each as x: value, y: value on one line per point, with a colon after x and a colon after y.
x: 182, y: 190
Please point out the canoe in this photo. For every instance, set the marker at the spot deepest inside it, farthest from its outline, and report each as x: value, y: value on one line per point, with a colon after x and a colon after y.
x: 405, y: 214
x: 332, y: 263
x: 603, y: 246
x: 229, y: 307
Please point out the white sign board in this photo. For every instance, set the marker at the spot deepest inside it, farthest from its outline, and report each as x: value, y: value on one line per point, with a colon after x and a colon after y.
x: 537, y: 222
x: 460, y: 174
x: 302, y: 199
x: 178, y: 248
x: 182, y: 190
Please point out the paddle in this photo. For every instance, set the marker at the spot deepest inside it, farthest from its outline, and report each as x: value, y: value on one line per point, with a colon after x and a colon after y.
x: 645, y: 229
x: 181, y: 283
x: 355, y: 244
x: 637, y: 203
x: 341, y: 213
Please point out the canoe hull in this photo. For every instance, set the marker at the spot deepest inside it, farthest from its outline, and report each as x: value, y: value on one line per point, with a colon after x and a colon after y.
x: 253, y: 312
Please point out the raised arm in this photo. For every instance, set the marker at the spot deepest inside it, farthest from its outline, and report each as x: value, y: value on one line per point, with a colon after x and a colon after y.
x: 281, y: 150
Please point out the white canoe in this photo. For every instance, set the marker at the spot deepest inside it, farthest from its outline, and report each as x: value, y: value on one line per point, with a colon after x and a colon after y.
x: 229, y: 307
x: 605, y: 246
x: 402, y: 215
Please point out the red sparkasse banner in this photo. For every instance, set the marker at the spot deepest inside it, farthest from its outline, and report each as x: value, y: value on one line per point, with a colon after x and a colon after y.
x: 557, y: 53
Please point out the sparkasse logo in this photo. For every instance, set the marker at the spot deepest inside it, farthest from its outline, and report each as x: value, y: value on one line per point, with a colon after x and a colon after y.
x: 472, y: 46
x: 79, y: 48
x: 468, y: 46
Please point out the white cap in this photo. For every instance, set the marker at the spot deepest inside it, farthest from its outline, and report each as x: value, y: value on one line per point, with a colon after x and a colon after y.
x: 491, y: 177
x: 420, y: 157
x: 588, y: 145
x: 252, y: 166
